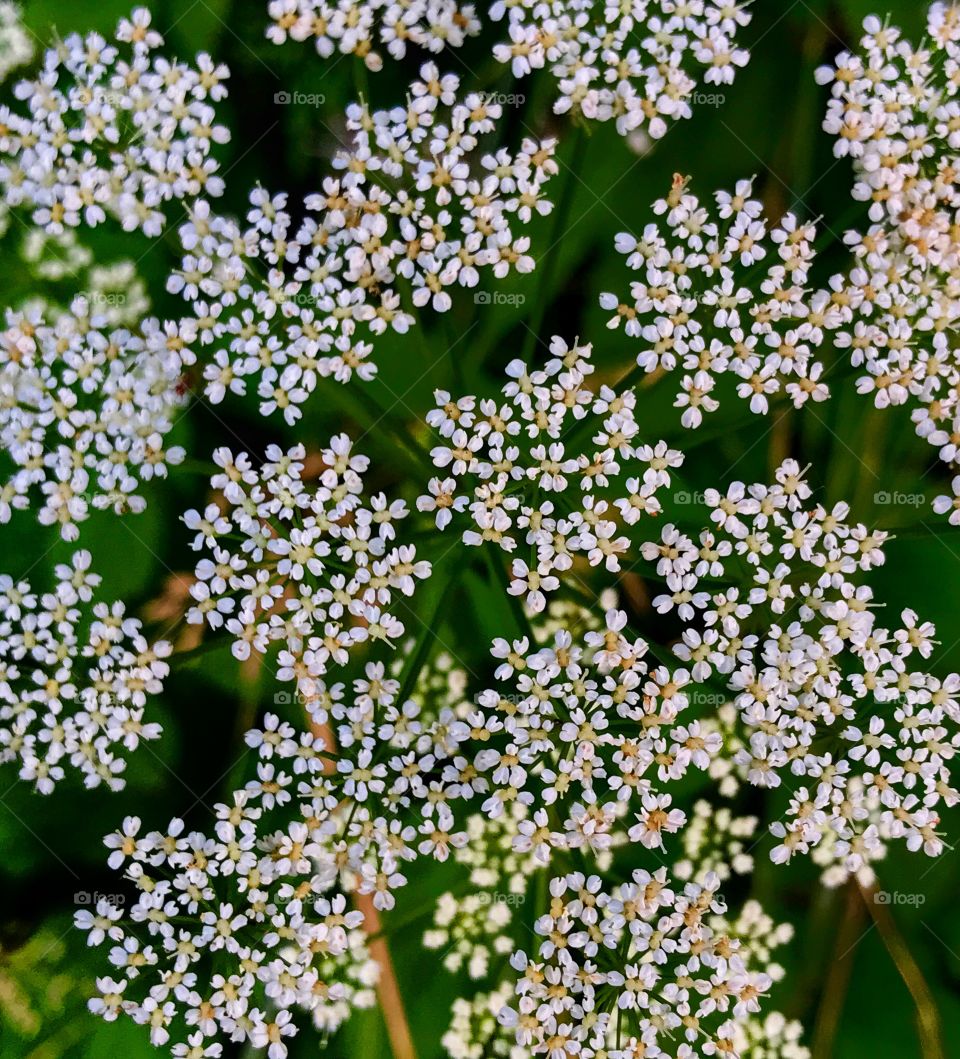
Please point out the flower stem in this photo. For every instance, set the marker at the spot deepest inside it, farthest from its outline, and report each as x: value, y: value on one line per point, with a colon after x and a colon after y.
x: 550, y: 256
x: 928, y: 1018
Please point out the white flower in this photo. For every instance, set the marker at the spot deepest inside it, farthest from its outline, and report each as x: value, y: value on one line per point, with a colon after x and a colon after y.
x: 417, y: 209
x: 898, y: 303
x: 696, y: 280
x: 667, y: 957
x: 355, y: 27
x: 316, y: 566
x: 820, y: 690
x: 87, y: 413
x: 75, y: 680
x: 532, y: 470
x: 112, y: 129
x: 635, y: 65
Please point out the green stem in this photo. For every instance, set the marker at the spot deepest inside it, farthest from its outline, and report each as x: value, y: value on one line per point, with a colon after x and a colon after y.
x: 498, y: 573
x: 560, y: 215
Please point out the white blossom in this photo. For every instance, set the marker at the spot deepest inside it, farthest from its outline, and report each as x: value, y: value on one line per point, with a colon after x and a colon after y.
x: 76, y: 674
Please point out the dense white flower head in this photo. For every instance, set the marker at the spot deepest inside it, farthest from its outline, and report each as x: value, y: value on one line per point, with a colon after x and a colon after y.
x: 84, y: 412
x: 231, y: 933
x: 893, y: 110
x: 475, y: 1032
x: 470, y: 931
x: 721, y: 291
x: 836, y: 708
x: 638, y: 64
x: 714, y: 838
x: 418, y: 211
x: 300, y: 556
x: 112, y: 129
x: 538, y: 466
x: 645, y: 965
x: 359, y: 27
x: 334, y: 812
x: 75, y: 676
x: 588, y: 738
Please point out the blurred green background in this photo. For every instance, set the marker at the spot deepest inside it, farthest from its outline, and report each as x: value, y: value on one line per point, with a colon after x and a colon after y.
x: 768, y: 125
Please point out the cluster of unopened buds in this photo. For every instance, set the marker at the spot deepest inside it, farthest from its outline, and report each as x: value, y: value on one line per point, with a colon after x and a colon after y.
x: 468, y: 930
x: 636, y: 64
x: 827, y: 700
x: 75, y: 675
x: 115, y: 293
x: 84, y: 412
x: 311, y: 564
x: 112, y: 129
x: 530, y: 480
x: 893, y: 111
x: 16, y: 45
x: 714, y: 838
x: 722, y: 292
x: 358, y: 27
x: 418, y: 210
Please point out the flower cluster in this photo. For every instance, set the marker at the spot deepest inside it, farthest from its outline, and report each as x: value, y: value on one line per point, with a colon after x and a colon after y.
x: 636, y: 64
x: 312, y: 566
x: 496, y: 865
x: 114, y: 291
x: 84, y: 412
x: 355, y: 27
x: 714, y: 837
x: 523, y: 459
x: 253, y: 898
x: 716, y: 840
x: 475, y: 1032
x: 645, y: 963
x: 771, y: 1037
x: 588, y: 732
x: 828, y: 700
x: 112, y: 129
x: 16, y: 47
x: 469, y: 929
x: 333, y: 812
x: 418, y: 210
x: 893, y: 112
x: 74, y: 680
x: 701, y: 304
